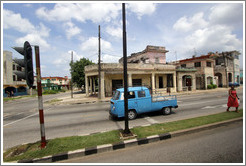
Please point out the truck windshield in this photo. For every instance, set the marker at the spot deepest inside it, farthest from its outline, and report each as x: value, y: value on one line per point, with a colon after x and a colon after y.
x: 116, y: 95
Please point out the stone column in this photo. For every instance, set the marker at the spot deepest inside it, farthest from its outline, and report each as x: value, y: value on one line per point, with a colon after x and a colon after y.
x: 129, y: 80
x: 179, y: 83
x: 205, y: 81
x: 193, y: 82
x: 174, y: 82
x: 153, y: 81
x: 102, y: 86
x: 90, y: 85
x: 94, y: 85
x: 86, y: 85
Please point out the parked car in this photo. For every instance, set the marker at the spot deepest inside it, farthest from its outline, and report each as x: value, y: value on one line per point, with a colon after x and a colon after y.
x: 235, y: 84
x: 140, y: 101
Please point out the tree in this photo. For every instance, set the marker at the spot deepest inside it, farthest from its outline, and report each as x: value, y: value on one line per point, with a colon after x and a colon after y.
x: 78, y: 71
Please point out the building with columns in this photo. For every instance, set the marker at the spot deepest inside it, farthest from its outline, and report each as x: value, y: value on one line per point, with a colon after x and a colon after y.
x: 149, y: 68
x: 157, y: 77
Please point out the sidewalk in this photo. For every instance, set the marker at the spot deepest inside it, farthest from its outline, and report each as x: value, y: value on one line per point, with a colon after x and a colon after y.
x: 81, y: 98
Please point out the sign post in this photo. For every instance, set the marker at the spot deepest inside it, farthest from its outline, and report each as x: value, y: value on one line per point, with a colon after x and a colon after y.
x: 40, y: 98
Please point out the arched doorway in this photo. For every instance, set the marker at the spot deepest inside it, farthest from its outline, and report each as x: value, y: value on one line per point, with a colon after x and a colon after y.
x: 220, y: 83
x: 187, y: 82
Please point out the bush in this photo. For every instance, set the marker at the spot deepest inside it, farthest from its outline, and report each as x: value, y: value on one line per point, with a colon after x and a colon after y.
x: 50, y: 91
x: 210, y: 86
x: 214, y: 86
x: 62, y: 90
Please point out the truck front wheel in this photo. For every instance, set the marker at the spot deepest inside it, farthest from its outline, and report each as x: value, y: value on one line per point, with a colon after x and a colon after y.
x: 132, y: 114
x: 166, y: 110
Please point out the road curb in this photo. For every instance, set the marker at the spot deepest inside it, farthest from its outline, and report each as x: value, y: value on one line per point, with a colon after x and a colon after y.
x: 126, y: 143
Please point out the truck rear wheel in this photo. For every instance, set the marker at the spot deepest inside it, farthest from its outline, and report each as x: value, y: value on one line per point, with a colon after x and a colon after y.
x: 166, y: 110
x: 132, y: 114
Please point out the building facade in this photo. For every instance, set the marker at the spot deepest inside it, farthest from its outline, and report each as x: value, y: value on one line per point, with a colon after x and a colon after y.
x: 227, y: 68
x: 55, y: 83
x: 12, y: 82
x: 205, y: 70
x: 149, y: 68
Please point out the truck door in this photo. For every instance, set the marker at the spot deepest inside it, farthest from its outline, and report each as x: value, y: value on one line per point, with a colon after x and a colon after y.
x: 132, y: 103
x: 143, y: 101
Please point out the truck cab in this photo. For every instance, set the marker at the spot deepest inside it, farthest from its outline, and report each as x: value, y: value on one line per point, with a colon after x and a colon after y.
x: 140, y: 101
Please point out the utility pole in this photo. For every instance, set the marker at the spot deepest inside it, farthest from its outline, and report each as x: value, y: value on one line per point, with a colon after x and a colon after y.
x: 99, y: 63
x: 126, y: 131
x: 71, y: 74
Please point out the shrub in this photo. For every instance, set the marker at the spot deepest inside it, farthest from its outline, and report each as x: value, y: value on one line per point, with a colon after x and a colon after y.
x: 214, y: 86
x: 50, y: 91
x: 210, y: 86
x: 62, y: 90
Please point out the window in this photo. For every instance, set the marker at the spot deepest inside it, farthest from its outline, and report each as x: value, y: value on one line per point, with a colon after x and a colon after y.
x: 141, y: 93
x: 131, y: 95
x: 19, y: 68
x: 197, y: 64
x: 116, y: 95
x: 13, y: 67
x: 209, y: 64
x: 183, y: 65
x: 14, y: 78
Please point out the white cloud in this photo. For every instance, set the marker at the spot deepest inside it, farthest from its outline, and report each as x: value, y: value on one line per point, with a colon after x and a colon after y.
x: 90, y: 46
x: 65, y: 58
x: 115, y: 32
x: 216, y: 38
x: 71, y: 30
x: 110, y: 58
x: 34, y: 39
x: 227, y: 14
x: 96, y: 12
x: 142, y: 8
x: 35, y: 35
x: 14, y: 20
x: 185, y: 24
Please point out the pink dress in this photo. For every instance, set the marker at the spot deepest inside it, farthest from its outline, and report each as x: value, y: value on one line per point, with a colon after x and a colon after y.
x: 233, y: 102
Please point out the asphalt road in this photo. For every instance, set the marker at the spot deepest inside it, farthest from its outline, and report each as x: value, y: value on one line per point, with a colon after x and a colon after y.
x: 81, y: 119
x: 220, y: 145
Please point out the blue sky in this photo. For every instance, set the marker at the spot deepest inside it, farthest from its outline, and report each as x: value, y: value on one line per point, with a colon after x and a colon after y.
x: 59, y: 28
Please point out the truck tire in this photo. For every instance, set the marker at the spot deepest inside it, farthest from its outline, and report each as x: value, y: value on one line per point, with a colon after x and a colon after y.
x: 166, y: 110
x: 132, y: 114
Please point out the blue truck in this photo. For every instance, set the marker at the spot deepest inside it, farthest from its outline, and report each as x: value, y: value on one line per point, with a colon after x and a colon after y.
x: 140, y: 101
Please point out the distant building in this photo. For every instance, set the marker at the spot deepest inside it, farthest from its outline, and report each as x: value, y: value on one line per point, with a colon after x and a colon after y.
x: 227, y: 68
x: 55, y: 83
x: 151, y: 54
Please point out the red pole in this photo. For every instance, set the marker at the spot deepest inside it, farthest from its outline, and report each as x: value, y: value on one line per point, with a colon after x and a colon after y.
x: 40, y: 98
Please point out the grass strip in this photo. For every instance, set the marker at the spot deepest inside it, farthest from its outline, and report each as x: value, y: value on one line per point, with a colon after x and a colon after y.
x: 62, y: 145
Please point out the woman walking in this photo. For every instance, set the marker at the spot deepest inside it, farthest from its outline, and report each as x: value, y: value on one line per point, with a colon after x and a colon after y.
x: 232, y: 99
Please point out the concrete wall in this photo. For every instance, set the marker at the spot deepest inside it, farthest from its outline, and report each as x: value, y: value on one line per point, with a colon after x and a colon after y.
x: 7, y: 68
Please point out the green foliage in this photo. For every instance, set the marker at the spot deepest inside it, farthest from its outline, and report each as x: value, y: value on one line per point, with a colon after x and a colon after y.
x: 50, y: 91
x: 78, y: 71
x: 210, y: 86
x: 214, y: 86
